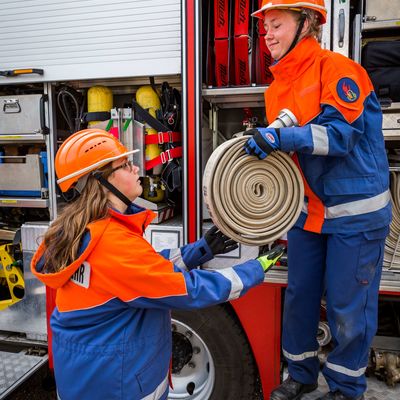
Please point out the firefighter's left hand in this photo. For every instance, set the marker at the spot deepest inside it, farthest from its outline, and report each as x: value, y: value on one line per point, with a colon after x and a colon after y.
x: 263, y: 142
x: 218, y: 242
x: 269, y: 259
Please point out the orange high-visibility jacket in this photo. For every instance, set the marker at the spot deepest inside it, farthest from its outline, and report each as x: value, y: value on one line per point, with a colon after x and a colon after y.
x: 339, y: 142
x: 112, y: 326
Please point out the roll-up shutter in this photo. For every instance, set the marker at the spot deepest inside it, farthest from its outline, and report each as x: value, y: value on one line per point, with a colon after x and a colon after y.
x: 90, y: 39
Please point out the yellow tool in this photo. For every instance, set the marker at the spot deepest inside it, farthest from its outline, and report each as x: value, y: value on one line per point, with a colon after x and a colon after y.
x: 15, y: 72
x: 12, y: 285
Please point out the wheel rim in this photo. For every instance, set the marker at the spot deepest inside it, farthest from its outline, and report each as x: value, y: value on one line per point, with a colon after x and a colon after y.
x: 324, y: 335
x: 198, y: 373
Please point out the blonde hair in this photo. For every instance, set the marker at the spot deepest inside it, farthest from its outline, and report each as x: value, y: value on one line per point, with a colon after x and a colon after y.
x: 63, y: 238
x: 314, y: 22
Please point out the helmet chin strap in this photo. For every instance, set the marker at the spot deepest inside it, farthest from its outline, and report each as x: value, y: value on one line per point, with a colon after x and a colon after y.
x: 298, y: 33
x: 99, y: 176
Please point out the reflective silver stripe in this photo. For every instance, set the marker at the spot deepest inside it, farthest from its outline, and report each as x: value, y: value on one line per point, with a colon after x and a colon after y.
x: 300, y: 357
x: 358, y: 207
x: 236, y: 282
x: 344, y: 370
x: 175, y: 256
x: 355, y: 207
x: 159, y: 390
x: 320, y: 139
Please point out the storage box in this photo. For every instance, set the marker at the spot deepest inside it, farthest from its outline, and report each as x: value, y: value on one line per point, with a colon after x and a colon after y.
x: 382, y: 10
x: 24, y: 179
x: 21, y: 115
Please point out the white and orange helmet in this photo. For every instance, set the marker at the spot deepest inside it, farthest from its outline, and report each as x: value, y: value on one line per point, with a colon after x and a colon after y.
x: 84, y: 152
x: 317, y: 5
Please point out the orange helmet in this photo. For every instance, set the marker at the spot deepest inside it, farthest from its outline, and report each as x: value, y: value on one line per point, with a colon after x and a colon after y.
x: 316, y: 5
x: 86, y: 151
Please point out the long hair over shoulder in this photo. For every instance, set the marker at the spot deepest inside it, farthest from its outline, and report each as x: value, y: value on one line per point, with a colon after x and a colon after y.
x: 63, y: 238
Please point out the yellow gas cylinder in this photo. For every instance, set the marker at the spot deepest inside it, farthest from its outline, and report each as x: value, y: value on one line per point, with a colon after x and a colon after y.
x: 153, y: 189
x: 100, y: 99
x: 148, y: 99
x: 152, y: 151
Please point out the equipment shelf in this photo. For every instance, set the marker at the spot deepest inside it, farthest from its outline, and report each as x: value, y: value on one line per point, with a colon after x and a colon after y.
x: 32, y: 138
x: 24, y: 202
x: 235, y: 97
x: 376, y: 25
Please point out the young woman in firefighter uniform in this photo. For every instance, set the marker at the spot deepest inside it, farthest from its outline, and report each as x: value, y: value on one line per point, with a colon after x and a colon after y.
x: 336, y: 246
x: 112, y: 325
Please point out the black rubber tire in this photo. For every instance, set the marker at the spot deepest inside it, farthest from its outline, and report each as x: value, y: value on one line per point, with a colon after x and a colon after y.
x: 236, y: 374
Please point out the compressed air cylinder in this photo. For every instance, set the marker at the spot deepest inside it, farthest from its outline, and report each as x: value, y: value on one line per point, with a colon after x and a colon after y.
x: 148, y: 99
x: 100, y: 99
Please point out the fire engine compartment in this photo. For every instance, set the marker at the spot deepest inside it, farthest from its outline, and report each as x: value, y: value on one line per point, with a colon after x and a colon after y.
x: 30, y: 199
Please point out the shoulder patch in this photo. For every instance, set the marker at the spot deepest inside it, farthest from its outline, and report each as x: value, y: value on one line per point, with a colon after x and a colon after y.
x: 347, y: 90
x: 82, y: 275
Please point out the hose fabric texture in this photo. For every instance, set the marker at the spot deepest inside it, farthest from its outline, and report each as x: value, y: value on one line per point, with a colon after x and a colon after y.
x: 391, y: 260
x: 252, y: 201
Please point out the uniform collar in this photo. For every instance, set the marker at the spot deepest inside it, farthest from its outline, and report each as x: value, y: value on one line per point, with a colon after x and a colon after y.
x: 297, y: 61
x: 135, y: 218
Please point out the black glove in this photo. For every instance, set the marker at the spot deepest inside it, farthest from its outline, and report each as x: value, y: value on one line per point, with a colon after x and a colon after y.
x: 269, y: 259
x: 218, y: 242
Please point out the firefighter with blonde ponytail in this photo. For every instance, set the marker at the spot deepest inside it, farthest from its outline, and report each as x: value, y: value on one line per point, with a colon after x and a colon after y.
x: 336, y: 246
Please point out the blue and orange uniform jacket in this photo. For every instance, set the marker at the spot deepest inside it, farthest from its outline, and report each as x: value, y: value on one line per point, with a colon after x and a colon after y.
x: 111, y: 325
x: 338, y: 144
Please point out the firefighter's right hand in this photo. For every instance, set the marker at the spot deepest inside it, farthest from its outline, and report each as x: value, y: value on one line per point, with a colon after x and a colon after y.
x: 218, y: 242
x: 269, y: 259
x: 262, y: 142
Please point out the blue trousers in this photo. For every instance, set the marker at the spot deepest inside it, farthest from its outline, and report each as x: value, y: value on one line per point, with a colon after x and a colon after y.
x: 347, y: 268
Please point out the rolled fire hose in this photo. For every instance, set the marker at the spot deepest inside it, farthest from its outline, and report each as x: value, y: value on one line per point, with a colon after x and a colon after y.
x: 253, y: 201
x: 391, y: 258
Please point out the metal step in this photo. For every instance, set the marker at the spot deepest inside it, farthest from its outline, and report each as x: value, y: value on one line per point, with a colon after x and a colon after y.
x: 15, y: 368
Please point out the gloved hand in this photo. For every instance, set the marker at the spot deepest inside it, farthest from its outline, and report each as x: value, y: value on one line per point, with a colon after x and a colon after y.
x: 268, y: 259
x: 218, y: 242
x: 263, y: 142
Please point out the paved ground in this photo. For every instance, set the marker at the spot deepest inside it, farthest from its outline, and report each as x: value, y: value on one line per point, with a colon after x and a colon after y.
x: 377, y: 390
x: 41, y: 387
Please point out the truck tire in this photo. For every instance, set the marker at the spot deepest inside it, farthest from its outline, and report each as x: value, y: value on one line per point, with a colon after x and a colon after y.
x: 211, y: 356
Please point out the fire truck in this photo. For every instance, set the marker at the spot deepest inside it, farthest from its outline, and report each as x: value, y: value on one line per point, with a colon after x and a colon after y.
x: 66, y: 65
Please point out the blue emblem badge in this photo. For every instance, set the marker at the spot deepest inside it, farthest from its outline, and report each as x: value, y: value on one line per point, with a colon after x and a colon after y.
x: 347, y: 90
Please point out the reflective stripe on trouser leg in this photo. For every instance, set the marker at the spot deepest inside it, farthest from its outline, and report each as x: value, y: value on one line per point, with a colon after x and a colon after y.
x: 354, y: 263
x: 306, y: 256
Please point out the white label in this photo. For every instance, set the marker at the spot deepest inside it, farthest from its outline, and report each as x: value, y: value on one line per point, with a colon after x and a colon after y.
x: 164, y: 240
x: 82, y: 275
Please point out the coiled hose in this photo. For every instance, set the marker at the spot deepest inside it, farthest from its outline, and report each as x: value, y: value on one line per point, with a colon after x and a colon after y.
x: 391, y: 258
x: 252, y: 201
